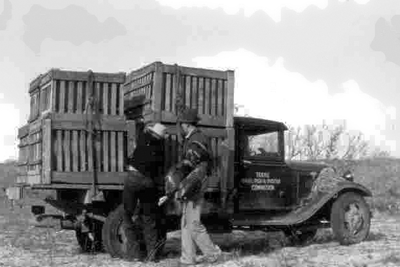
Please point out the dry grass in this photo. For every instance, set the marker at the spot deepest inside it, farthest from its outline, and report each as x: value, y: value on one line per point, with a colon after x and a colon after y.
x: 24, y: 244
x: 382, y: 177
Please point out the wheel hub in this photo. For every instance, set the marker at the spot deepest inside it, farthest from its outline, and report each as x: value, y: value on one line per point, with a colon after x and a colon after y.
x: 353, y: 219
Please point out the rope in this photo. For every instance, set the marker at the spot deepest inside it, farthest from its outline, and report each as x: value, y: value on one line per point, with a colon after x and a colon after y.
x: 91, y: 118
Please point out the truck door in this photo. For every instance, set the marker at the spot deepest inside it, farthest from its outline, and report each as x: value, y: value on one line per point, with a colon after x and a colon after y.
x: 264, y: 182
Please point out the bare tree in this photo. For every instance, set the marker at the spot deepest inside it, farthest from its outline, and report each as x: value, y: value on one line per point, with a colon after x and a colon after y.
x: 318, y: 142
x: 313, y: 142
x: 356, y: 147
x: 294, y: 142
x: 332, y: 144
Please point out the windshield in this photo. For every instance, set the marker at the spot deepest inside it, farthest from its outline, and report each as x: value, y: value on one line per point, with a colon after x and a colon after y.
x: 262, y: 145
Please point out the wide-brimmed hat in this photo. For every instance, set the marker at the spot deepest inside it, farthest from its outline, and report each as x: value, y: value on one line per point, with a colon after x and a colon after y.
x: 188, y: 115
x: 158, y: 129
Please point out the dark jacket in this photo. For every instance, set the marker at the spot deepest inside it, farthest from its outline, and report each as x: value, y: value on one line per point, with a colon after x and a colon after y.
x: 197, y: 155
x: 148, y: 157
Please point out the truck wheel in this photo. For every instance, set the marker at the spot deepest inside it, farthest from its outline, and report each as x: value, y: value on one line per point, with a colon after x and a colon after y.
x: 114, y: 238
x: 299, y: 237
x: 90, y: 242
x: 350, y: 218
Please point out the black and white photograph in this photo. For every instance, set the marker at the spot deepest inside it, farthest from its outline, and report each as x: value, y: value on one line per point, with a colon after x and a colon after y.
x: 177, y: 133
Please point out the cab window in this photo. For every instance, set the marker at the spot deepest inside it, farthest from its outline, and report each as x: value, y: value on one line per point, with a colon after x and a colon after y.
x: 262, y: 144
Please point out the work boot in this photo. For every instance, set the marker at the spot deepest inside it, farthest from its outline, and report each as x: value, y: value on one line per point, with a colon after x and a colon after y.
x: 221, y: 257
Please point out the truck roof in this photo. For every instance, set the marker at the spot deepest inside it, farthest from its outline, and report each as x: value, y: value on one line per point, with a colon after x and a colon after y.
x: 251, y: 122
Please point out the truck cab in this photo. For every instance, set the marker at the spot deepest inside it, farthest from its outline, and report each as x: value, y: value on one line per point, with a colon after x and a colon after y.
x: 264, y: 180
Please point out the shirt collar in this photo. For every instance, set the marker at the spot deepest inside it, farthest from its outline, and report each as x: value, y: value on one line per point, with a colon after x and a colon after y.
x: 190, y: 133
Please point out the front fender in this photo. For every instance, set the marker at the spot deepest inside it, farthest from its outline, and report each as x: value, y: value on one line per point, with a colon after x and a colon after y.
x: 310, y: 208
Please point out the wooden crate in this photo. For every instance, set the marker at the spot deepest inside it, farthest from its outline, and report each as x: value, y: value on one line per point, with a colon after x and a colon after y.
x: 153, y: 90
x: 61, y: 152
x: 23, y: 155
x: 60, y: 91
x: 55, y: 145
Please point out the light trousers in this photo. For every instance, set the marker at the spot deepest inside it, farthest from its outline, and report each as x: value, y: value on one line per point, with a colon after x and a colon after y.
x: 194, y: 233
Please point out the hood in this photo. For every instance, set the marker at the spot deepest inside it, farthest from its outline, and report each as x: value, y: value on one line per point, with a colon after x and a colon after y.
x: 306, y: 166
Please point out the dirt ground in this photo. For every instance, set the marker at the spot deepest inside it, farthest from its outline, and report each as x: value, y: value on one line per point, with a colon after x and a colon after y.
x: 24, y: 242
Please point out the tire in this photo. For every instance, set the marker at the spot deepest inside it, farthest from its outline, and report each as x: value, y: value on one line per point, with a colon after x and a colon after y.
x: 88, y: 244
x: 113, y: 234
x: 350, y: 218
x: 299, y: 237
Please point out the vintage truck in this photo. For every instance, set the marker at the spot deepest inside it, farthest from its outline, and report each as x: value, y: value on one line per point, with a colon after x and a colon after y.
x: 83, y: 126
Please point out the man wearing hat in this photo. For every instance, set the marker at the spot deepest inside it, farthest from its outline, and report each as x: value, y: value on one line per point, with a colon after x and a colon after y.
x: 197, y: 158
x: 144, y: 168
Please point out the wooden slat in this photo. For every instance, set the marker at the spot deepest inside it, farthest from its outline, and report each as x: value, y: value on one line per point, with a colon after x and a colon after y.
x: 89, y: 150
x: 35, y: 127
x: 46, y: 152
x: 79, y: 98
x: 35, y: 83
x: 157, y: 96
x: 207, y: 98
x: 205, y: 120
x: 113, y: 152
x: 220, y: 98
x: 86, y: 90
x: 76, y: 125
x: 80, y: 117
x: 83, y: 76
x: 201, y: 96
x: 53, y: 95
x: 98, y: 96
x: 98, y: 143
x: 75, y: 151
x: 87, y: 177
x: 67, y: 154
x: 114, y: 97
x: 120, y: 146
x: 137, y: 87
x: 82, y: 150
x: 70, y: 99
x: 139, y: 72
x: 168, y: 92
x: 23, y: 131
x: 121, y: 100
x: 59, y: 150
x: 181, y: 89
x: 195, y: 95
x: 65, y: 185
x: 33, y: 178
x: 174, y: 90
x: 78, y: 122
x: 187, y: 91
x: 62, y: 97
x: 230, y: 99
x: 105, y: 99
x: 213, y: 97
x: 106, y: 145
x: 196, y: 71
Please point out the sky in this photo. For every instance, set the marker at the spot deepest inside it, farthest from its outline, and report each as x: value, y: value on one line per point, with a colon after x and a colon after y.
x: 297, y: 61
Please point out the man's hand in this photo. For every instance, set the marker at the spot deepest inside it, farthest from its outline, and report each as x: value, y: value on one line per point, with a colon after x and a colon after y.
x: 130, y: 168
x: 162, y: 200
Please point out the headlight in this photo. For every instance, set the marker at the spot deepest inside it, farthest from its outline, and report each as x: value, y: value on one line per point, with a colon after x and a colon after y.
x: 348, y: 176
